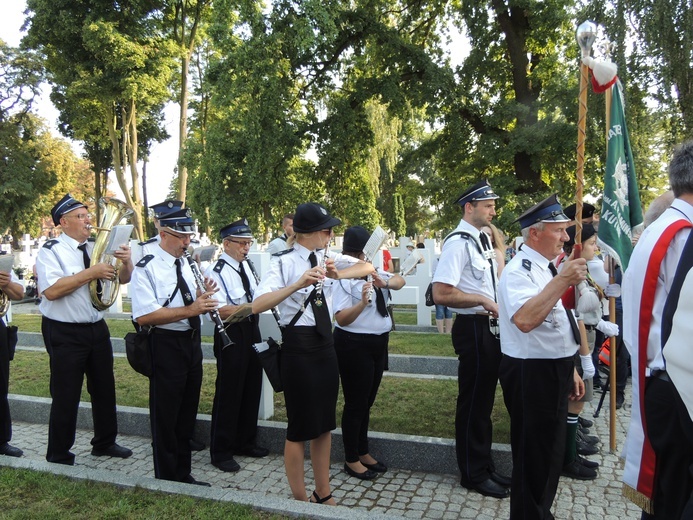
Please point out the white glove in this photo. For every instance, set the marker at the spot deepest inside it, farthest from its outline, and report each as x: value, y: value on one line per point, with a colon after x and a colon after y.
x: 587, y: 367
x: 608, y: 328
x: 613, y: 290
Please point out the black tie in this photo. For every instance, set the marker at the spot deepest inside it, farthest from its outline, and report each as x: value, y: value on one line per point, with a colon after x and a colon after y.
x: 571, y: 318
x: 380, y: 302
x: 87, y: 263
x: 323, y: 324
x: 194, y: 321
x: 485, y: 241
x: 246, y: 283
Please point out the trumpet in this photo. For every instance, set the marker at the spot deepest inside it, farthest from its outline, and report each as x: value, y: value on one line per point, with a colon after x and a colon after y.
x: 214, y: 314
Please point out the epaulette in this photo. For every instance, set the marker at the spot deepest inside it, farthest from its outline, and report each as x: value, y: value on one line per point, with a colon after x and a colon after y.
x: 153, y: 239
x: 219, y: 265
x: 144, y: 260
x: 527, y: 264
x: 281, y: 253
x: 50, y: 243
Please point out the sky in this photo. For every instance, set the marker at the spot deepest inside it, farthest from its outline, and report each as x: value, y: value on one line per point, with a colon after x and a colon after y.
x: 163, y: 156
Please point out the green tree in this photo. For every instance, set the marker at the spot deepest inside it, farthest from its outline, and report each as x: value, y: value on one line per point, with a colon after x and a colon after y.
x: 110, y: 66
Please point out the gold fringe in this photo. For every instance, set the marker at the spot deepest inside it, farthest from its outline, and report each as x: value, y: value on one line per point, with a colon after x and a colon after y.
x: 638, y: 499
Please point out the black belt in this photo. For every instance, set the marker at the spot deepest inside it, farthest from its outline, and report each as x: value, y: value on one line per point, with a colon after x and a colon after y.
x: 190, y: 333
x: 483, y: 317
x: 661, y: 375
x: 73, y: 324
x: 590, y: 327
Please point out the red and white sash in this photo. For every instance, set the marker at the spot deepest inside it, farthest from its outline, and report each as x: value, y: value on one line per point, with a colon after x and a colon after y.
x: 638, y: 474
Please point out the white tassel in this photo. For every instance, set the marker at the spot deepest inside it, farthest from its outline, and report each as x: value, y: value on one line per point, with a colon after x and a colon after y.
x: 589, y: 299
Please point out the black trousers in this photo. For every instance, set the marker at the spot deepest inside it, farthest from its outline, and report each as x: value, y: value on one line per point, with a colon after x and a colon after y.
x: 174, y: 394
x: 361, y: 359
x: 5, y: 418
x: 479, y: 357
x: 671, y: 433
x: 536, y: 392
x: 76, y: 350
x: 237, y: 392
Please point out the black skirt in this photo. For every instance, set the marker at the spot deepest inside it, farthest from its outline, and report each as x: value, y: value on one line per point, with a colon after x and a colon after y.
x: 310, y: 376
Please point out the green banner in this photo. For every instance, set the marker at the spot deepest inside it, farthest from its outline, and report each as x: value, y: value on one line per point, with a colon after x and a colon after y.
x: 621, y: 214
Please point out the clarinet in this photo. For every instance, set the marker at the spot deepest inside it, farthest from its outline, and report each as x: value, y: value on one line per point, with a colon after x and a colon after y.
x: 200, y: 282
x: 275, y: 312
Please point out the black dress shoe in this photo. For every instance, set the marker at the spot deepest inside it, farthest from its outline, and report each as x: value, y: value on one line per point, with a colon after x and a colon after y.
x: 587, y: 463
x: 254, y: 451
x: 620, y: 400
x: 190, y: 480
x: 586, y: 449
x: 578, y: 471
x: 366, y: 475
x: 10, y: 451
x: 501, y: 479
x: 378, y: 467
x: 589, y: 439
x: 489, y: 488
x: 229, y: 465
x: 114, y: 450
x: 585, y: 422
x: 196, y: 445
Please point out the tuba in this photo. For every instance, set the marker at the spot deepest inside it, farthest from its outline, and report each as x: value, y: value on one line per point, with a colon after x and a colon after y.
x: 103, y: 293
x: 4, y: 304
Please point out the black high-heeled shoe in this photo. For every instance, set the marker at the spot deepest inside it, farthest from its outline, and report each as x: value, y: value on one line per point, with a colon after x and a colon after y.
x: 378, y: 467
x: 366, y: 475
x: 318, y: 500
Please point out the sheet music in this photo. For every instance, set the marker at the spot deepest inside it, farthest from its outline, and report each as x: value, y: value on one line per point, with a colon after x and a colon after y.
x: 6, y: 263
x: 119, y: 235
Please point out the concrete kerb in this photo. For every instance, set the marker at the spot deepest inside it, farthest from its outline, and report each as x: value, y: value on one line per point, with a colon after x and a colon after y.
x: 277, y: 505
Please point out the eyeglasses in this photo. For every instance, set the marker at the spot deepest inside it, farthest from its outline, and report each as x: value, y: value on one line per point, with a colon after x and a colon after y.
x: 243, y: 243
x: 81, y: 216
x: 180, y: 237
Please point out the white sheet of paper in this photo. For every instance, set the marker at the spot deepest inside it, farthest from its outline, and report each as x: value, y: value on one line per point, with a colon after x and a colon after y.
x: 6, y: 263
x: 120, y: 235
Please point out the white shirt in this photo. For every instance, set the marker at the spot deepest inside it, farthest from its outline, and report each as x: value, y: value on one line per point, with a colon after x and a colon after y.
x: 347, y: 293
x: 56, y: 259
x: 523, y: 278
x: 154, y: 283
x: 13, y: 279
x: 634, y: 276
x: 231, y: 291
x: 287, y: 269
x: 464, y: 267
x: 277, y: 245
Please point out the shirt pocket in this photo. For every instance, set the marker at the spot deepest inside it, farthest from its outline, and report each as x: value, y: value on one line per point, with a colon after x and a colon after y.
x: 237, y: 295
x: 164, y: 290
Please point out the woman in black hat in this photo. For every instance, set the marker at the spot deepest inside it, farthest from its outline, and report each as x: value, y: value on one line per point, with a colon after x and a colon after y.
x: 360, y: 338
x: 296, y: 283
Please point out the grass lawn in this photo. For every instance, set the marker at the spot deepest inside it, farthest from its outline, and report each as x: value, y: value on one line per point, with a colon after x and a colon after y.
x: 404, y: 405
x: 32, y: 494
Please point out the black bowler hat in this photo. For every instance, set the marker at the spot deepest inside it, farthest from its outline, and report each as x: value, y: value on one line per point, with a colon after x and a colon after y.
x: 65, y: 205
x: 548, y: 210
x: 167, y: 206
x: 180, y: 221
x: 355, y: 239
x: 588, y: 232
x: 480, y: 191
x: 240, y: 229
x: 311, y: 216
x: 587, y: 211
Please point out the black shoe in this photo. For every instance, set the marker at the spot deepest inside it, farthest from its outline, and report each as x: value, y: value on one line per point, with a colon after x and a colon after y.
x: 489, y: 488
x: 114, y: 450
x: 10, y: 451
x: 501, y: 479
x: 585, y: 423
x: 190, y: 480
x: 583, y: 429
x: 620, y: 400
x: 587, y: 439
x: 586, y: 449
x: 578, y: 471
x: 378, y: 467
x: 366, y: 475
x: 228, y: 465
x: 254, y: 451
x: 196, y: 445
x: 587, y: 463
